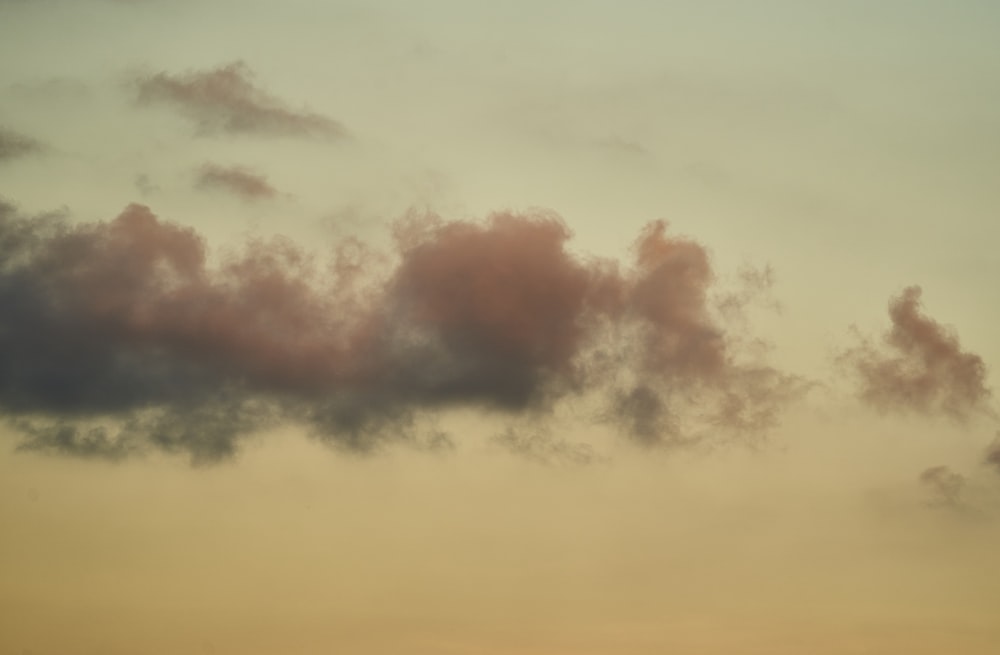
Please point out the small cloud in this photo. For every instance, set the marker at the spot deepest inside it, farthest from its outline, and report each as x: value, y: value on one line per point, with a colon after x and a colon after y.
x: 14, y: 145
x: 919, y: 366
x: 144, y: 185
x: 944, y: 484
x: 225, y: 100
x: 235, y: 180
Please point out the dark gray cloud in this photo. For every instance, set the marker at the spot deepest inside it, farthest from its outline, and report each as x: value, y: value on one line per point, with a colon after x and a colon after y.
x: 207, y: 429
x: 919, y: 366
x: 126, y: 323
x: 95, y: 442
x: 226, y: 100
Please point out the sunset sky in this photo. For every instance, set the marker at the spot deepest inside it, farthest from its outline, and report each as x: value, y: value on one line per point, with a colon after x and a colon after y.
x: 539, y: 328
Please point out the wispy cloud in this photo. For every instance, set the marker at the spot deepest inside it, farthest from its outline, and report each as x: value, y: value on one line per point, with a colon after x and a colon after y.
x: 226, y: 100
x: 236, y: 180
x: 541, y: 446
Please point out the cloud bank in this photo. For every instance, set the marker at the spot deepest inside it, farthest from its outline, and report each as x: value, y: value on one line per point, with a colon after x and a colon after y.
x: 119, y: 337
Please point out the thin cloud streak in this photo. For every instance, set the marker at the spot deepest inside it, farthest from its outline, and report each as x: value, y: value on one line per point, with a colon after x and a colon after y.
x: 236, y: 180
x: 542, y: 447
x: 225, y: 100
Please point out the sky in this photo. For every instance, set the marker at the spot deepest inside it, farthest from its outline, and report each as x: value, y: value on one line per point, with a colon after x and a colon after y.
x: 499, y: 328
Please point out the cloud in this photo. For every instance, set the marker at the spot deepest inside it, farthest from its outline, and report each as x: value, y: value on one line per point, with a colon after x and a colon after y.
x: 76, y: 441
x: 919, y: 366
x: 235, y: 180
x: 225, y: 100
x: 145, y: 185
x: 944, y: 484
x: 682, y: 361
x: 14, y: 145
x: 125, y: 325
